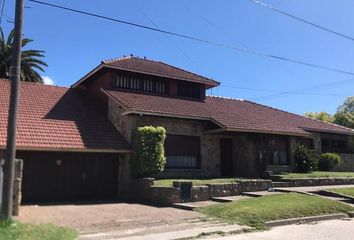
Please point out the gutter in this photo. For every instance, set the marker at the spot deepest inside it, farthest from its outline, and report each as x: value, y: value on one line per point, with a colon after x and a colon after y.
x: 71, y: 150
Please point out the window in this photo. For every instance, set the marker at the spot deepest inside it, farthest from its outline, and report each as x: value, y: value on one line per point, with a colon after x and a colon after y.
x: 188, y: 90
x: 144, y: 85
x: 182, y: 151
x: 334, y: 145
x: 274, y: 150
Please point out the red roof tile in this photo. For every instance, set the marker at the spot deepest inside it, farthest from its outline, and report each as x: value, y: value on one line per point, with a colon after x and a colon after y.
x: 57, y: 118
x: 145, y: 66
x: 230, y: 114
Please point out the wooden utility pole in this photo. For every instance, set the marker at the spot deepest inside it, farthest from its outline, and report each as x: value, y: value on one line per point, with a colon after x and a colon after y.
x: 15, y: 69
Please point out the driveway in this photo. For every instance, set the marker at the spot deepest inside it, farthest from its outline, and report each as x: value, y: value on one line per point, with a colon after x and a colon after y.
x: 106, y: 217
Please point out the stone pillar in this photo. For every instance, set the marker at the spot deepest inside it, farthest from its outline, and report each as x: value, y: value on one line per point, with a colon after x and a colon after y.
x: 317, y: 144
x: 17, y: 194
x: 292, y: 149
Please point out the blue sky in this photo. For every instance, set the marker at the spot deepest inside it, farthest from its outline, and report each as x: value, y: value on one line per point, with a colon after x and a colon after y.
x: 75, y: 44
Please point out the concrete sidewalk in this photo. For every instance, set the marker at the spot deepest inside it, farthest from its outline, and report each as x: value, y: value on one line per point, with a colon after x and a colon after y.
x: 311, y: 188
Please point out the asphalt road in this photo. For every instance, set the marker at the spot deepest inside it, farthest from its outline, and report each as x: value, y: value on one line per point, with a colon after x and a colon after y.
x: 326, y: 230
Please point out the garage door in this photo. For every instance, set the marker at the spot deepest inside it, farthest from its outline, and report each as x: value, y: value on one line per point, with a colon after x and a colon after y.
x: 58, y: 177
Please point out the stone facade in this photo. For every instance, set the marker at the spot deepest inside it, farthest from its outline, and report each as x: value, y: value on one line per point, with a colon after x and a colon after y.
x: 209, y: 164
x: 123, y: 123
x: 317, y: 145
x: 246, y: 160
x: 247, y: 147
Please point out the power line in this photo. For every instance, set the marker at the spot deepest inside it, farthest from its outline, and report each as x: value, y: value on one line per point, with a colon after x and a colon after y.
x: 168, y: 38
x: 195, y: 38
x: 302, y: 20
x: 294, y: 92
x: 278, y: 91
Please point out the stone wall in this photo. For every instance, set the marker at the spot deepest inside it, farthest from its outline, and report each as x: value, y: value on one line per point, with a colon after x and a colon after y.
x: 210, y: 159
x: 123, y: 123
x: 143, y: 190
x: 303, y: 182
x: 245, y: 156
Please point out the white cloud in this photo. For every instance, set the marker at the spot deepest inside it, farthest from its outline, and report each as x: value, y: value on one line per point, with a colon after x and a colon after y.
x: 47, y: 80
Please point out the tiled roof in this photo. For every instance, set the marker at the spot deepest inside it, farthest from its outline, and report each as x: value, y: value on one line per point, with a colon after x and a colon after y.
x: 229, y: 114
x: 57, y: 118
x: 144, y: 65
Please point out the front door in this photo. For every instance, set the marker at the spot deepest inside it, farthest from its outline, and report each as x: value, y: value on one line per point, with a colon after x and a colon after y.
x: 226, y: 161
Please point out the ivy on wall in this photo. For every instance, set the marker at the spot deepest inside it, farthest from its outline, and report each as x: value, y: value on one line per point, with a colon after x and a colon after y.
x: 149, y: 154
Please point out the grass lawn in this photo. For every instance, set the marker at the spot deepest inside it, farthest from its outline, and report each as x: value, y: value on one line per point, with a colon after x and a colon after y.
x: 196, y: 182
x: 345, y: 191
x: 255, y: 212
x: 317, y: 174
x: 14, y: 230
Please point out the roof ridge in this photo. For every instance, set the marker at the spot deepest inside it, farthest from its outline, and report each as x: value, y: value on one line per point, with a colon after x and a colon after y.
x: 287, y: 112
x: 35, y: 83
x: 228, y: 98
x: 109, y: 60
x: 151, y: 60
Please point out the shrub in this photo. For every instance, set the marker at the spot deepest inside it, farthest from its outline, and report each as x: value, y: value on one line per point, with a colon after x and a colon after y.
x: 306, y: 159
x: 328, y: 161
x: 149, y: 154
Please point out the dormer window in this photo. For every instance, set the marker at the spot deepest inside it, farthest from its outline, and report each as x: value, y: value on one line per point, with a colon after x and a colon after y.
x: 143, y: 85
x: 189, y: 90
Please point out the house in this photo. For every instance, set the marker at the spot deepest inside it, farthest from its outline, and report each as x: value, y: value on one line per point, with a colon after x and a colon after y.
x: 76, y: 142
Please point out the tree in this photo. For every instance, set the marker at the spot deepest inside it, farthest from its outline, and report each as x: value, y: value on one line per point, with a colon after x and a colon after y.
x: 30, y: 59
x: 347, y: 106
x: 322, y: 116
x: 345, y: 113
x: 344, y: 119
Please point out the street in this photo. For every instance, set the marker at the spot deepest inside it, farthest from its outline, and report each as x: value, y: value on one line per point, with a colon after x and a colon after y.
x: 326, y: 230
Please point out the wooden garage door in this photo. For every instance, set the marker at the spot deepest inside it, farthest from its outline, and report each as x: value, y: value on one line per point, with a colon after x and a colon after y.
x: 57, y: 177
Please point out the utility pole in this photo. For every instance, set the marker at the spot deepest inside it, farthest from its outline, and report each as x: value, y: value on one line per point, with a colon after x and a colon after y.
x: 7, y: 196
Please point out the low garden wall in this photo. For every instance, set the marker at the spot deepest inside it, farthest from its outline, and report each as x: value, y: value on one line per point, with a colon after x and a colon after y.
x: 144, y: 190
x: 303, y: 182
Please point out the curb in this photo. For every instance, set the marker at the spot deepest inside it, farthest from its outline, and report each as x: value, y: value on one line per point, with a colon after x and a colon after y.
x: 334, y: 194
x: 291, y: 221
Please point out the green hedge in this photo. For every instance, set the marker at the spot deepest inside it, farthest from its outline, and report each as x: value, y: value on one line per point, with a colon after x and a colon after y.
x: 328, y: 161
x: 149, y: 154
